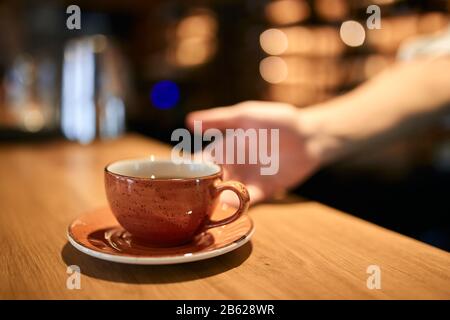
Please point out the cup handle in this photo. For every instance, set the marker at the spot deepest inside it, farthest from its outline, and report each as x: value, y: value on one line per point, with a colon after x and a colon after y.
x: 244, y: 201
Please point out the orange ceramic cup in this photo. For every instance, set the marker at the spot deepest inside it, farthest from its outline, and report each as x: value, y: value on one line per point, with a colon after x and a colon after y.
x: 168, y: 204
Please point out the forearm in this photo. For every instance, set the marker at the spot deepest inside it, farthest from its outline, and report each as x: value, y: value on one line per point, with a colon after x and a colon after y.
x: 398, y: 100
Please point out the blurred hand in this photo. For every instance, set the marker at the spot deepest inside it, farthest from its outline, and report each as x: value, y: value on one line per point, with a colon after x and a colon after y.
x: 396, y: 101
x: 297, y: 159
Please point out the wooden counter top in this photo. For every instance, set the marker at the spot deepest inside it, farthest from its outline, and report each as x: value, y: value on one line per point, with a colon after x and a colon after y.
x: 300, y: 250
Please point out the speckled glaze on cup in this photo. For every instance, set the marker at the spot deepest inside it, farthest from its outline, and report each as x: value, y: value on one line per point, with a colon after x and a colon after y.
x: 168, y: 204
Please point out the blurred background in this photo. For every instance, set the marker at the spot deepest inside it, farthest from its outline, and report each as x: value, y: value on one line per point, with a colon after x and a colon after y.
x: 141, y: 66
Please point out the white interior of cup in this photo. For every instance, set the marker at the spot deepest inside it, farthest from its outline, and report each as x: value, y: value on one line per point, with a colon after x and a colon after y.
x: 162, y: 169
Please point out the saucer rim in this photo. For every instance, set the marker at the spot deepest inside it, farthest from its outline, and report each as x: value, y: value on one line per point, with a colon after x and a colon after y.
x: 162, y: 260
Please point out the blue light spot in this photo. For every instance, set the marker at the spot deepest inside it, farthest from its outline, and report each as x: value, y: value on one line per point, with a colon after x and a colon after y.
x: 165, y: 94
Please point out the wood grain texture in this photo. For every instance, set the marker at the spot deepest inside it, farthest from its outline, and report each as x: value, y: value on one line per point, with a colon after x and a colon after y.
x: 300, y: 250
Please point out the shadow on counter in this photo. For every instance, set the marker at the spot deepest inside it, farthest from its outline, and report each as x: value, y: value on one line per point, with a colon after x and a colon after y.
x: 154, y: 274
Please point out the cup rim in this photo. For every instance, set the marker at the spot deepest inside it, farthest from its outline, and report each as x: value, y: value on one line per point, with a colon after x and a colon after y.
x: 213, y: 175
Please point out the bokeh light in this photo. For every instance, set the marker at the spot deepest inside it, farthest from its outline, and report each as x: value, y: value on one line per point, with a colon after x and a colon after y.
x: 273, y: 69
x: 194, y: 51
x: 165, y: 94
x: 284, y: 12
x: 273, y: 41
x: 332, y: 10
x: 194, y: 40
x: 317, y: 41
x: 99, y: 43
x: 352, y: 33
x: 203, y: 24
x: 33, y: 120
